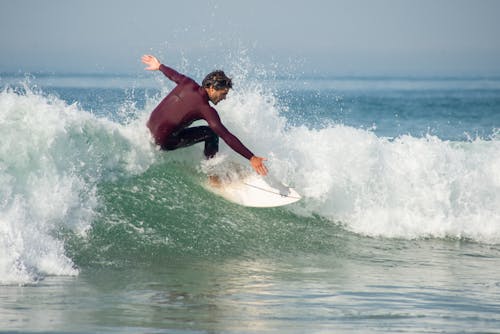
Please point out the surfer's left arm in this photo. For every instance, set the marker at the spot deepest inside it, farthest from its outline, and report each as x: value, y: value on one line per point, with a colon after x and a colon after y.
x: 220, y: 130
x: 258, y: 165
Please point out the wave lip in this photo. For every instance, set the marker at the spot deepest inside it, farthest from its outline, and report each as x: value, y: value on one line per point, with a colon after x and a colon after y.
x: 404, y: 187
x: 52, y: 157
x: 55, y: 157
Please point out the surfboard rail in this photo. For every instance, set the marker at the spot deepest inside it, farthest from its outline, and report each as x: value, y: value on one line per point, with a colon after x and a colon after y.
x: 256, y: 191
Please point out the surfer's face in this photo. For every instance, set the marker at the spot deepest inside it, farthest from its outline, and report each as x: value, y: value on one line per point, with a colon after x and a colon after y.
x: 217, y: 95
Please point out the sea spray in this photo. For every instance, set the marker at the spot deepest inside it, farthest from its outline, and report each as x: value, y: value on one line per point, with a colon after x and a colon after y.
x: 408, y: 187
x: 52, y: 156
x: 62, y: 167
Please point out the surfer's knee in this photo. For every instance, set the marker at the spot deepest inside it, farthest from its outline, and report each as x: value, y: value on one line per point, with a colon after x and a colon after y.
x: 211, y: 144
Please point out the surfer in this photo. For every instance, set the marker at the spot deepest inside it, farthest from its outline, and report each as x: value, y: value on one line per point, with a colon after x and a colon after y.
x: 187, y: 102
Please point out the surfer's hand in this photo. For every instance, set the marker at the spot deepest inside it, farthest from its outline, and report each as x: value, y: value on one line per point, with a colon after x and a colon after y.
x: 152, y: 62
x: 258, y: 165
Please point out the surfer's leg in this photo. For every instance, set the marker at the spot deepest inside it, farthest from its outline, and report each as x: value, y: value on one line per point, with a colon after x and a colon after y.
x: 211, y: 145
x: 190, y: 136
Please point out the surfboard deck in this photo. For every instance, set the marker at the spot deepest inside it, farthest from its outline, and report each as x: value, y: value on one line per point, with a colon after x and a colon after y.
x: 253, y: 190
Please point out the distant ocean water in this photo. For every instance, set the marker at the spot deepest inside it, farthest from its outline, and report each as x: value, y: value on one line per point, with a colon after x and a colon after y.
x: 398, y: 231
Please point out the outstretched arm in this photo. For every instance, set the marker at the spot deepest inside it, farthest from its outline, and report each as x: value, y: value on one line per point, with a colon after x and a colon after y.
x: 152, y: 62
x: 154, y: 65
x: 213, y: 120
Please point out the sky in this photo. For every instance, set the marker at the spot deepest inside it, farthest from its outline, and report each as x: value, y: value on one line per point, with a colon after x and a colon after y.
x: 320, y: 37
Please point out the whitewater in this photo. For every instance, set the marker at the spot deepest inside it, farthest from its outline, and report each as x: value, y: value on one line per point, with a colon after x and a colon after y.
x: 54, y: 156
x: 398, y: 229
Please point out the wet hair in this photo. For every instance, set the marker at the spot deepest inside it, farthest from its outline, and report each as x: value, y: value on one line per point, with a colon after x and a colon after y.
x: 218, y: 80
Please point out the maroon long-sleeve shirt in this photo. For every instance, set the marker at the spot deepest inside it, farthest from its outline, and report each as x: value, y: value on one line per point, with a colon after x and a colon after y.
x: 186, y: 103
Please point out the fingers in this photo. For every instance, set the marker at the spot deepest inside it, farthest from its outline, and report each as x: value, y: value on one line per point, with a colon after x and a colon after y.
x: 146, y: 59
x: 151, y: 61
x: 262, y: 170
x: 258, y: 165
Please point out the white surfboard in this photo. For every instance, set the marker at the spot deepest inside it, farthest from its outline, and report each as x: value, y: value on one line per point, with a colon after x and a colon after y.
x: 255, y: 191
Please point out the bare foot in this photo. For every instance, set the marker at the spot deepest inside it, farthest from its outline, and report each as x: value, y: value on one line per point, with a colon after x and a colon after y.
x: 214, y: 181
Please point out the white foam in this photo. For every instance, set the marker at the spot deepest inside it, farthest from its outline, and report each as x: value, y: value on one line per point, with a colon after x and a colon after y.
x: 407, y: 187
x: 51, y: 157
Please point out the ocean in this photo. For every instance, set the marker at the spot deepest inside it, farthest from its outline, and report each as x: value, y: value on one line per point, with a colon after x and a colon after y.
x: 398, y: 230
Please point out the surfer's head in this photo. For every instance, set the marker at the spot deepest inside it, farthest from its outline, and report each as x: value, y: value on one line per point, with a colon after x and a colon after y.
x: 218, y: 80
x: 217, y: 85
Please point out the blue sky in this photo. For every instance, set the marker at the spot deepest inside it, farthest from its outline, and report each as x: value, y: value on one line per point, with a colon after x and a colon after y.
x: 348, y: 37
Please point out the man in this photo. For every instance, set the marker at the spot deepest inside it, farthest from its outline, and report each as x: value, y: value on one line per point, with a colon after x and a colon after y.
x: 189, y: 102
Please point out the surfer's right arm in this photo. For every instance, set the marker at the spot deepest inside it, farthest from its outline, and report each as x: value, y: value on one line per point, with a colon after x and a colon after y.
x: 152, y: 62
x: 155, y: 65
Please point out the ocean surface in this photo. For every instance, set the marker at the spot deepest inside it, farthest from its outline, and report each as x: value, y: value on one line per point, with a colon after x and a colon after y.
x: 398, y: 230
